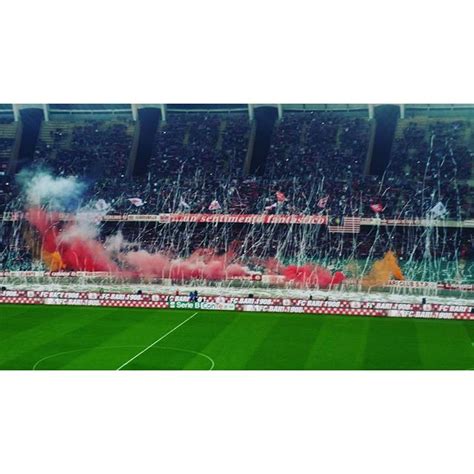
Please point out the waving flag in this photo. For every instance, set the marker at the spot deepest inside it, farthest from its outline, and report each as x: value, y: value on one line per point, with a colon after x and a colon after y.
x: 322, y: 203
x: 280, y: 196
x: 376, y: 207
x: 438, y: 211
x: 214, y: 206
x: 271, y: 206
x: 137, y: 202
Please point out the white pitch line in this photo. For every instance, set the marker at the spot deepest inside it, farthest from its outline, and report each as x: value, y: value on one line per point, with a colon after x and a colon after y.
x: 84, y: 349
x: 157, y: 341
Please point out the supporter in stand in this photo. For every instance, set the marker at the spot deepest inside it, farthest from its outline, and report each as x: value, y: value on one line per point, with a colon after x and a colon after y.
x: 97, y: 152
x: 429, y: 164
x: 315, y: 165
x: 316, y: 161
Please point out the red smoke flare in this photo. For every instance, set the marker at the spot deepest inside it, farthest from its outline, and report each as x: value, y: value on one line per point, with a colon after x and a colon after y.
x: 202, y: 264
x: 77, y: 253
x: 311, y: 275
x: 80, y: 253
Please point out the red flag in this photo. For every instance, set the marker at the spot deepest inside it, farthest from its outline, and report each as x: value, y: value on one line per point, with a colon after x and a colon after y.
x: 322, y: 203
x: 272, y: 206
x: 280, y: 196
x: 136, y: 201
x: 376, y: 207
x: 214, y: 206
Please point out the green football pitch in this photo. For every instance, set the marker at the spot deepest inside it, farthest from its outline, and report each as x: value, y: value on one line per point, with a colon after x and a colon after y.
x: 72, y: 337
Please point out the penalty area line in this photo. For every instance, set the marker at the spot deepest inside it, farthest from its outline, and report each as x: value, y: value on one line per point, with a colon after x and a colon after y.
x: 157, y: 341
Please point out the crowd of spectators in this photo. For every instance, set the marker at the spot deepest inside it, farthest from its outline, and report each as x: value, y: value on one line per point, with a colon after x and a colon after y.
x: 316, y: 164
x: 430, y: 164
x: 15, y: 248
x: 6, y: 145
x: 16, y: 257
x: 214, y: 144
x: 313, y: 156
x: 97, y: 152
x: 197, y: 158
x: 6, y: 194
x: 6, y: 149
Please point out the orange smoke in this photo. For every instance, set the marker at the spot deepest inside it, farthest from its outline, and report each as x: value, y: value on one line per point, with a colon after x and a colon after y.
x: 382, y: 271
x: 53, y: 260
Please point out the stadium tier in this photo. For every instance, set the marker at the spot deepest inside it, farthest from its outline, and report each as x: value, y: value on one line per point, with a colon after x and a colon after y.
x: 303, y: 196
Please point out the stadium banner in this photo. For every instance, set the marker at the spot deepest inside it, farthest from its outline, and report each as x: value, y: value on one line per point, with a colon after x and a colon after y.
x: 138, y: 218
x: 245, y: 218
x: 431, y: 285
x: 204, y: 306
x: 254, y: 219
x: 197, y: 218
x: 376, y: 221
x: 271, y: 308
x: 230, y: 303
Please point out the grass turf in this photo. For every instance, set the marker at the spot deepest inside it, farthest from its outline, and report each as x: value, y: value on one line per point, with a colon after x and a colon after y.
x: 61, y: 337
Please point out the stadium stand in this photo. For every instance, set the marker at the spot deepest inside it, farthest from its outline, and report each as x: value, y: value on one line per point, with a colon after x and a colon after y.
x: 431, y: 162
x: 314, y: 155
x: 316, y: 164
x: 199, y: 157
x: 91, y: 148
x: 96, y: 151
x: 8, y: 130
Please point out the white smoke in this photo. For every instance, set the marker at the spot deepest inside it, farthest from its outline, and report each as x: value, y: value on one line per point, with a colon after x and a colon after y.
x: 85, y: 226
x: 116, y: 243
x: 40, y: 188
x: 102, y: 206
x: 87, y: 221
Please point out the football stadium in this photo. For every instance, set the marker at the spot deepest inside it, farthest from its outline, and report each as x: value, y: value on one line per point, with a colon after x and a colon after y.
x: 236, y: 236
